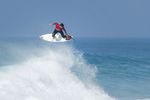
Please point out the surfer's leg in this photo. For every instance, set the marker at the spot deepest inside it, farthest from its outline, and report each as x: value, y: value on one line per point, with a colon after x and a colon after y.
x: 62, y: 34
x: 53, y: 34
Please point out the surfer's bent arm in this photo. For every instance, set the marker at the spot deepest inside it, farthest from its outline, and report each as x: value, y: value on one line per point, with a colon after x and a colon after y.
x: 65, y: 30
x: 53, y: 23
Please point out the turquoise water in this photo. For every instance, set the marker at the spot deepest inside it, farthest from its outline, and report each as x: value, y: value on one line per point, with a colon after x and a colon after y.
x: 119, y: 67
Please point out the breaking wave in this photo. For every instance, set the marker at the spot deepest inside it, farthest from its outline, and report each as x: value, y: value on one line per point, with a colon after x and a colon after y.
x: 59, y: 73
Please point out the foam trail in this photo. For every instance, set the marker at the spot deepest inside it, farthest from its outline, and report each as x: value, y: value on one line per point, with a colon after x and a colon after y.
x: 48, y: 76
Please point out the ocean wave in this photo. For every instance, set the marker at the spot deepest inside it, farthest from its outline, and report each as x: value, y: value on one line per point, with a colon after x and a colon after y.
x: 57, y: 73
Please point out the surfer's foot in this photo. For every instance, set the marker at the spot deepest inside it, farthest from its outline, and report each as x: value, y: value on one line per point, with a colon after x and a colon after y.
x: 53, y: 37
x: 64, y: 37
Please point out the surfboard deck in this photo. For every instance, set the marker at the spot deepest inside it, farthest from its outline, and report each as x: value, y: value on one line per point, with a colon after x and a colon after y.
x: 49, y: 38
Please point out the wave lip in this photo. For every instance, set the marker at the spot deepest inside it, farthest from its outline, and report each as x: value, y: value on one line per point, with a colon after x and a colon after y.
x: 49, y: 76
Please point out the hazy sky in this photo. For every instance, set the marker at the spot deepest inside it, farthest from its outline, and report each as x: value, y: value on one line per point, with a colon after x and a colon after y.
x: 100, y: 18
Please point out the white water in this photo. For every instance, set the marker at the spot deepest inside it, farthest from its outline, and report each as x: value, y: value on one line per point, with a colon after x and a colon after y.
x: 48, y: 76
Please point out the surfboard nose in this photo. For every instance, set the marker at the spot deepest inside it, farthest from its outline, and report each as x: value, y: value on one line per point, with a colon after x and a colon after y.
x: 41, y: 37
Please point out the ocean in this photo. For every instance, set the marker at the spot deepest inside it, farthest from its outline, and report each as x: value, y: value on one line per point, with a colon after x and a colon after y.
x: 82, y: 69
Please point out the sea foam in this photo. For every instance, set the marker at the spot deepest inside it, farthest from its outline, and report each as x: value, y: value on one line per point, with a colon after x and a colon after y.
x: 53, y: 74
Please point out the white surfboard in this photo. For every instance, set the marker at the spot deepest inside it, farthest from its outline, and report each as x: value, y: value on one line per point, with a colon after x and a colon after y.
x: 49, y: 38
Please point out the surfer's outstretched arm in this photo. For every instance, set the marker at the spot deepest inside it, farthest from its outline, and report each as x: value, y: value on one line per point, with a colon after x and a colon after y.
x: 53, y: 23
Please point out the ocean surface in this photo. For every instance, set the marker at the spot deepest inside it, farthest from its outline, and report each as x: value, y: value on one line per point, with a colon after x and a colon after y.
x: 83, y: 69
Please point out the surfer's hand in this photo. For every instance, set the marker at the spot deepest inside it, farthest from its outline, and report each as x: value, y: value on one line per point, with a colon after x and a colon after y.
x: 50, y: 24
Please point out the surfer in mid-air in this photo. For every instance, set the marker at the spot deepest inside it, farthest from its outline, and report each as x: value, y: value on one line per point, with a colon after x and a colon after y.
x: 59, y: 28
x: 54, y: 37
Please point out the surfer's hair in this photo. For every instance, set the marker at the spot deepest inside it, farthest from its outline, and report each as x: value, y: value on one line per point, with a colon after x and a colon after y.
x: 61, y: 24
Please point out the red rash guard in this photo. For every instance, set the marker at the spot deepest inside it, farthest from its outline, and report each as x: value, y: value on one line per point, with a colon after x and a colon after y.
x: 58, y: 27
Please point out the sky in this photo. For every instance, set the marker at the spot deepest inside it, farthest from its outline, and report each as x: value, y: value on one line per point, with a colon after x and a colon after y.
x: 82, y: 18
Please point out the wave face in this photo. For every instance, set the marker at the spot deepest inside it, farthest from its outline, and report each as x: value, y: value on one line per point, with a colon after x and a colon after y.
x: 58, y: 73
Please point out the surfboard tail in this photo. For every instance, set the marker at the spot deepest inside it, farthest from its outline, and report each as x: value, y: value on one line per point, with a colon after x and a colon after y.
x: 68, y: 37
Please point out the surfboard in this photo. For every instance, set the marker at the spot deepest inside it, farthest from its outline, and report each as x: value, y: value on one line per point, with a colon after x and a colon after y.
x: 58, y: 38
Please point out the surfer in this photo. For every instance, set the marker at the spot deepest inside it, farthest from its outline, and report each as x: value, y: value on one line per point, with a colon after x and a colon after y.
x: 59, y: 28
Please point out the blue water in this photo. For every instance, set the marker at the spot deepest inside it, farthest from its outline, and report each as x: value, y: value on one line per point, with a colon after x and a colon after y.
x: 123, y: 65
